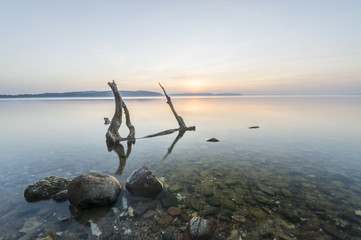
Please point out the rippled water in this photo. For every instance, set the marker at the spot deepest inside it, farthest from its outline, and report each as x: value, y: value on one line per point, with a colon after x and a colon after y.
x: 297, y: 176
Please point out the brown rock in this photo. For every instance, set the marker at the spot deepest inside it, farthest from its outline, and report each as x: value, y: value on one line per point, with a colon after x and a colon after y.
x: 142, y: 208
x: 155, y: 228
x: 93, y: 189
x: 174, y: 211
x: 142, y: 182
x: 257, y: 213
x: 165, y: 221
x: 185, y: 218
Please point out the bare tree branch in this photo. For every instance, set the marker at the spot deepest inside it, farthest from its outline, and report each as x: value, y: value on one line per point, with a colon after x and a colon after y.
x: 179, y: 118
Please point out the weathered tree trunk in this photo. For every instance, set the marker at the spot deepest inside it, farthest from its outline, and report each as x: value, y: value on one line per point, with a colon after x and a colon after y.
x: 112, y: 134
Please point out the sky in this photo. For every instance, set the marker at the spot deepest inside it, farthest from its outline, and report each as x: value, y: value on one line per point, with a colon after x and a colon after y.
x: 248, y: 47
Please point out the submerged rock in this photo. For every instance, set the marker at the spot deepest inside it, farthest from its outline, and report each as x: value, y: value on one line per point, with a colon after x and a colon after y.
x: 93, y: 189
x: 45, y: 188
x: 199, y: 228
x: 212, y: 140
x: 142, y: 182
x: 61, y: 196
x: 47, y: 235
x: 174, y: 211
x: 31, y: 225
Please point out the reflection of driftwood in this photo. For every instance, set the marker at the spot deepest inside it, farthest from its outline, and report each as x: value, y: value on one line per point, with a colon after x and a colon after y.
x: 170, y: 149
x: 112, y: 134
x: 119, y: 149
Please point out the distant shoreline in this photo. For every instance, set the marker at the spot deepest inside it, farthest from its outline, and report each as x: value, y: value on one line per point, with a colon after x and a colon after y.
x: 94, y: 94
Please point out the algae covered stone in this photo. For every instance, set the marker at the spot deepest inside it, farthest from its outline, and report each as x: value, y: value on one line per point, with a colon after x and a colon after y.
x: 45, y: 188
x: 93, y: 189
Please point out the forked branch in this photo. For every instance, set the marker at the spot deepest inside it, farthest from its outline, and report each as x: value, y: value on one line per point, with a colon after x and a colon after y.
x: 112, y: 134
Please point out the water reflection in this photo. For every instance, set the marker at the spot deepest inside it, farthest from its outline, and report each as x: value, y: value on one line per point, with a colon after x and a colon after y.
x: 307, y: 151
x: 170, y: 149
x: 122, y: 155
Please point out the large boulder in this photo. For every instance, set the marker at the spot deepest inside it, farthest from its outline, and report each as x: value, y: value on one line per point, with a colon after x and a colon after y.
x: 142, y: 182
x: 93, y: 189
x: 199, y: 228
x: 45, y: 188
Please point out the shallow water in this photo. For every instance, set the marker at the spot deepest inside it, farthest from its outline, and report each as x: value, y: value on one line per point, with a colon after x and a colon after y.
x: 297, y: 176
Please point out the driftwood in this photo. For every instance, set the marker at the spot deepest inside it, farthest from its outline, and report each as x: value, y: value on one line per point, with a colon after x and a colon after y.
x: 182, y: 126
x: 113, y: 137
x: 112, y: 134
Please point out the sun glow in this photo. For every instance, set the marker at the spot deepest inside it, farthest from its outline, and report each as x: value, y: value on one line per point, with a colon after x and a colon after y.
x: 194, y: 86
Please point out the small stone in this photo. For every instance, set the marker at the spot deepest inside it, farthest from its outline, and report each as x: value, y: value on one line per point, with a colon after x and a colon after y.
x: 334, y: 232
x: 227, y: 204
x: 290, y: 215
x: 142, y: 182
x: 257, y: 213
x: 61, y: 196
x: 94, y: 229
x: 191, y: 188
x: 349, y: 217
x: 175, y: 188
x: 286, y: 193
x: 142, y: 208
x: 207, y: 192
x: 214, y: 201
x: 185, y: 218
x: 265, y: 189
x: 168, y: 200
x: 234, y: 235
x: 155, y: 228
x: 174, y: 211
x: 239, y: 219
x: 226, y: 213
x: 265, y: 232
x: 167, y: 236
x: 231, y: 182
x: 210, y: 211
x: 149, y: 214
x: 165, y: 221
x: 358, y: 213
x: 47, y: 235
x: 194, y: 203
x: 31, y: 224
x: 200, y: 228
x: 224, y: 219
x: 212, y: 140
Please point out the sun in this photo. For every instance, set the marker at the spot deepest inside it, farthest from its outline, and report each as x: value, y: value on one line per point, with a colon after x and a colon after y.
x: 194, y: 85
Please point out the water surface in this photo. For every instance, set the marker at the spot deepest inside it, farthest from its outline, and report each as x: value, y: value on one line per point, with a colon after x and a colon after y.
x: 307, y: 150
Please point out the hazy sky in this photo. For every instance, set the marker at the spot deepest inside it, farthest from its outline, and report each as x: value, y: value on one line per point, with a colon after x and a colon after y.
x: 255, y: 46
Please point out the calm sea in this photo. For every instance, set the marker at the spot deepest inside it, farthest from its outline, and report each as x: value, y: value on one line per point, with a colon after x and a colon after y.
x: 306, y: 151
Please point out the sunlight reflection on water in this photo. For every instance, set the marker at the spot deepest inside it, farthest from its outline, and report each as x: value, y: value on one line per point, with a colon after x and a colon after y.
x: 66, y: 137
